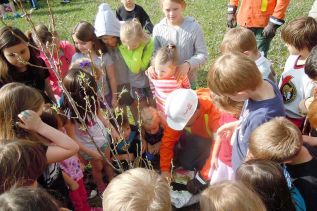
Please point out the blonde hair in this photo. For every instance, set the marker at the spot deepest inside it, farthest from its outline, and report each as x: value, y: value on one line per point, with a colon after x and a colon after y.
x: 181, y: 2
x: 137, y: 190
x: 239, y: 39
x: 227, y: 105
x: 230, y: 195
x: 166, y: 54
x: 312, y: 114
x: 148, y: 115
x: 133, y: 30
x: 277, y: 140
x: 232, y: 73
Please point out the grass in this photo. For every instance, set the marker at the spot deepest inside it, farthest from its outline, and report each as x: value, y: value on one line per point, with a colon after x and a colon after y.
x: 211, y: 14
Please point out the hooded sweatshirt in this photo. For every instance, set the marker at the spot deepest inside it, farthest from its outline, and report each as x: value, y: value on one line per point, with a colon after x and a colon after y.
x: 106, y: 23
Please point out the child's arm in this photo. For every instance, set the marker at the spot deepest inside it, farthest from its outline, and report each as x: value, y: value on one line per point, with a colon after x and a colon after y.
x: 115, y: 135
x: 215, y: 152
x: 113, y: 84
x: 49, y: 91
x: 64, y: 146
x: 186, y: 83
x: 72, y: 184
x: 312, y: 141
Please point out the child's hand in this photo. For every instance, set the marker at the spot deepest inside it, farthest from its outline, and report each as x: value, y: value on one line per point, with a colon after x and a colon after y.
x: 30, y: 120
x: 74, y: 186
x: 214, y: 162
x: 96, y: 155
x: 150, y: 72
x: 182, y: 71
x: 114, y: 101
x: 227, y: 130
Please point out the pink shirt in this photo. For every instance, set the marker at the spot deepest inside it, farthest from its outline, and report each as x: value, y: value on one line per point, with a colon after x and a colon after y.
x: 71, y: 166
x: 161, y: 88
x: 67, y: 50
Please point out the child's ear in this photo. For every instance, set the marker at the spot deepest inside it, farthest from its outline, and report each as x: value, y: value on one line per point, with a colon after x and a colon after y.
x: 248, y: 53
x: 249, y: 156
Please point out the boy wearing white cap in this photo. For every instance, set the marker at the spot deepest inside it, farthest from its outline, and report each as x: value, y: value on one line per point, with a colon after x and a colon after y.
x: 192, y: 121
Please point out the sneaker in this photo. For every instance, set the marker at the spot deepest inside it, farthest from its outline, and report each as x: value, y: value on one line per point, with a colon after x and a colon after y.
x: 92, y: 194
x: 5, y: 17
x: 16, y: 15
x: 65, y: 2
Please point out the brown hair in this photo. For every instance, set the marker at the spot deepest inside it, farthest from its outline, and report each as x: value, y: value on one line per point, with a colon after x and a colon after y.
x: 27, y: 198
x: 312, y: 114
x: 239, y: 39
x: 230, y: 195
x: 15, y: 98
x: 232, y: 73
x: 181, y: 2
x: 311, y: 64
x: 300, y: 33
x: 133, y: 31
x: 137, y: 189
x: 263, y: 177
x: 85, y: 32
x: 227, y: 105
x: 166, y: 54
x: 277, y: 140
x: 50, y: 116
x: 21, y: 163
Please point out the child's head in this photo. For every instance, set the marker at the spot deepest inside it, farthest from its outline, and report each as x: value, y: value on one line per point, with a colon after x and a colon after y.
x: 300, y: 34
x: 88, y: 66
x: 137, y: 189
x: 311, y: 64
x: 312, y: 114
x: 240, y: 40
x: 13, y: 51
x: 267, y: 179
x: 21, y: 163
x: 85, y: 39
x: 123, y: 122
x: 173, y: 10
x: 15, y: 98
x: 150, y: 120
x: 234, y: 75
x: 27, y: 198
x: 278, y: 140
x: 230, y: 195
x: 51, y: 117
x: 227, y: 105
x: 165, y: 61
x: 132, y: 34
x: 83, y: 90
x: 44, y: 36
x: 128, y: 4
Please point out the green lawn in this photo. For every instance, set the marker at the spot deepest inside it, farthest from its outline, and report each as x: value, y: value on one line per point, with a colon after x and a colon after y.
x: 211, y: 14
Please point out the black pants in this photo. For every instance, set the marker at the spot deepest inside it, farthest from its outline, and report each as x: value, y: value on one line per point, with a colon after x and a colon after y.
x: 192, y: 151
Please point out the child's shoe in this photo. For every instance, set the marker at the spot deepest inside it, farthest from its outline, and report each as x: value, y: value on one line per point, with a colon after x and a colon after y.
x: 16, y: 15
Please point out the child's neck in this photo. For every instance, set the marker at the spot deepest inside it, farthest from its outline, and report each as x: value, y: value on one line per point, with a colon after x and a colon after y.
x: 302, y: 157
x: 255, y: 56
x: 264, y: 91
x: 93, y: 54
x: 129, y: 9
x: 178, y: 23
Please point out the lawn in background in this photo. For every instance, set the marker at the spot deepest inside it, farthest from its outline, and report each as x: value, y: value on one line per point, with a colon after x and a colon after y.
x: 211, y: 15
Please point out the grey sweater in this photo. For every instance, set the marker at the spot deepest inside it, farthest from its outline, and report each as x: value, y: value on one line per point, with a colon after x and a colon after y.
x: 189, y: 41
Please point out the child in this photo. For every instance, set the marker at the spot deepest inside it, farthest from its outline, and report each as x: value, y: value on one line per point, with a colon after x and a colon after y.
x: 165, y: 64
x: 229, y: 195
x: 221, y: 166
x: 71, y: 170
x: 136, y: 50
x: 130, y: 10
x: 6, y: 3
x: 83, y: 90
x: 14, y: 54
x: 263, y: 177
x: 61, y: 57
x: 281, y: 141
x: 243, y: 40
x: 299, y: 36
x: 137, y: 189
x: 237, y: 76
x: 27, y: 198
x: 186, y: 34
x: 89, y: 46
x: 153, y: 126
x: 22, y: 121
x: 21, y: 163
x: 312, y: 111
x: 107, y: 28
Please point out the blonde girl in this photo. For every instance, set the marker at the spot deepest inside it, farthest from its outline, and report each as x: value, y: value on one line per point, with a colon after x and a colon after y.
x: 89, y: 46
x: 136, y: 50
x: 186, y: 34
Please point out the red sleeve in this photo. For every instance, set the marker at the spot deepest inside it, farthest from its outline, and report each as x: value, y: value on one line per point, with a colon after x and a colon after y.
x: 170, y: 138
x: 234, y: 2
x: 280, y: 9
x: 186, y: 83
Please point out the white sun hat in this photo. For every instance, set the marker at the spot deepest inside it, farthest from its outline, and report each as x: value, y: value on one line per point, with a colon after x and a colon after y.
x: 180, y: 106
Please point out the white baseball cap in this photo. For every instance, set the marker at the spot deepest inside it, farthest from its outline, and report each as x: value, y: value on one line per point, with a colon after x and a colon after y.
x: 180, y: 106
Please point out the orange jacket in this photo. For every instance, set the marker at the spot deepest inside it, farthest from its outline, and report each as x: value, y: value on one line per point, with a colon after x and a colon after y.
x: 258, y: 13
x: 205, y: 126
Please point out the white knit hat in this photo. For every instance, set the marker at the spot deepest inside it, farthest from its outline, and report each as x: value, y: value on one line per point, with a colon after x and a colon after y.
x: 180, y: 106
x: 106, y: 22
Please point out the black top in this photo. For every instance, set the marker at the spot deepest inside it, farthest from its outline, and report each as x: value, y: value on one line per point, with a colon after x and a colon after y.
x: 139, y: 13
x: 304, y: 177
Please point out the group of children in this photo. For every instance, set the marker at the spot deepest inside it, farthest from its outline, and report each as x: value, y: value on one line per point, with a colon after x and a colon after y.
x: 64, y: 105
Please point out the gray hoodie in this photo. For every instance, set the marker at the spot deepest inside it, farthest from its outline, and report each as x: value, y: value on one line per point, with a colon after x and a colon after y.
x: 106, y: 23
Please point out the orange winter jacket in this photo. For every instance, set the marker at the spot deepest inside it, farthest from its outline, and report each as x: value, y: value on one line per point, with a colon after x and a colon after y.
x: 205, y: 126
x: 256, y: 13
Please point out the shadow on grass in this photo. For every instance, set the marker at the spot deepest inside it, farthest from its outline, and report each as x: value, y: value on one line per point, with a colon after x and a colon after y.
x: 56, y: 11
